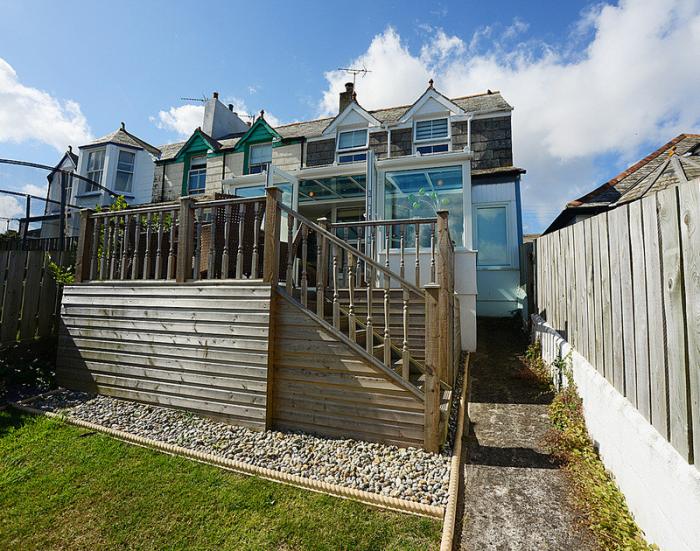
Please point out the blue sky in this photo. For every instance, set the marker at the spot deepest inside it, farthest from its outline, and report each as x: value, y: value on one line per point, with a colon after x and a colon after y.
x: 134, y: 61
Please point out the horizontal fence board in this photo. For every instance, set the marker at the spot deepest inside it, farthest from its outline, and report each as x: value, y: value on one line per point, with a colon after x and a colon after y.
x: 623, y: 287
x: 167, y: 349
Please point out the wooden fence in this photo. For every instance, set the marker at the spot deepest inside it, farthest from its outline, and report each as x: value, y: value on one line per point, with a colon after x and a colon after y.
x: 29, y: 296
x: 623, y: 288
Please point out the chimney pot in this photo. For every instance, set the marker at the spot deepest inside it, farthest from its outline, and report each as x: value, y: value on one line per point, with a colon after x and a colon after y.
x: 123, y: 126
x: 216, y: 95
x: 346, y: 97
x: 349, y: 86
x: 230, y: 106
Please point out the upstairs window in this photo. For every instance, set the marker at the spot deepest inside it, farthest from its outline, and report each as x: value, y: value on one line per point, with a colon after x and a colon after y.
x: 197, y: 177
x: 125, y: 171
x: 260, y: 158
x: 353, y: 139
x: 95, y: 168
x: 433, y: 148
x: 435, y: 129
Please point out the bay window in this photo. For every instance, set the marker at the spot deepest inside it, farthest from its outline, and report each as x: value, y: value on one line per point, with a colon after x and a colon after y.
x: 95, y: 168
x: 125, y: 171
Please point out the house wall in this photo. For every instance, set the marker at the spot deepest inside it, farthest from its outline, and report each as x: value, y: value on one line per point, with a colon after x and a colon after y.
x: 319, y: 153
x: 323, y: 387
x: 198, y: 347
x: 287, y: 157
x: 167, y: 184
x: 491, y: 141
x: 499, y: 290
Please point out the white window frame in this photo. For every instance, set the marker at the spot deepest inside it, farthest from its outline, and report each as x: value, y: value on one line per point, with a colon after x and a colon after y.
x: 198, y: 169
x: 356, y: 148
x: 510, y: 265
x: 117, y: 171
x: 440, y: 139
x: 264, y: 166
x: 88, y: 186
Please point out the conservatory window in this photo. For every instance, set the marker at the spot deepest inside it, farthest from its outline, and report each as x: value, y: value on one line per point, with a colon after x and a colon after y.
x: 420, y: 194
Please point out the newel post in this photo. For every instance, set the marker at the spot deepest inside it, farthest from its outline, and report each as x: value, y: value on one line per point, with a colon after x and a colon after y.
x: 445, y: 279
x: 431, y: 388
x: 185, y: 238
x: 273, y: 213
x: 83, y: 255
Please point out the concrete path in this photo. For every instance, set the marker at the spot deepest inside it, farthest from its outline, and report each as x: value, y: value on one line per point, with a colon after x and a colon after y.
x: 515, y: 496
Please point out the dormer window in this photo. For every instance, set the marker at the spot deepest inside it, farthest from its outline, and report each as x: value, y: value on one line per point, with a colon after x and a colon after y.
x: 348, y: 145
x: 95, y: 168
x: 125, y: 171
x: 432, y: 136
x: 260, y: 158
x: 197, y: 177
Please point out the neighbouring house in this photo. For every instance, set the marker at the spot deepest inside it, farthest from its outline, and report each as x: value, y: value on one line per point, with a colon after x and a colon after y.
x: 380, y: 164
x: 67, y: 164
x: 674, y: 162
x: 121, y: 163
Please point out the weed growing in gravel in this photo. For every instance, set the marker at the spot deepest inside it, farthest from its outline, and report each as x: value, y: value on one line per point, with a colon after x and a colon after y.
x: 535, y: 370
x: 600, y: 500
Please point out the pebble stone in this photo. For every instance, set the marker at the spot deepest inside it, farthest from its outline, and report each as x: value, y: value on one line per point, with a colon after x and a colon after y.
x: 406, y: 473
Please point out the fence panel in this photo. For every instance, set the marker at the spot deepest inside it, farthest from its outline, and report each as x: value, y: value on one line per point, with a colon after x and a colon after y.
x: 624, y: 287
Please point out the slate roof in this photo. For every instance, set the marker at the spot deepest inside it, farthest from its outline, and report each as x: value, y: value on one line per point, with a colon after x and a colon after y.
x: 482, y: 103
x: 122, y: 137
x: 675, y: 169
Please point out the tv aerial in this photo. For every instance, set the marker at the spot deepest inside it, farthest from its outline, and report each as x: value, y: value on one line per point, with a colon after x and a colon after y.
x: 354, y: 71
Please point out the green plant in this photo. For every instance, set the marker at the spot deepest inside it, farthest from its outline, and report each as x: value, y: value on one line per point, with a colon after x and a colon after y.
x: 427, y: 198
x: 64, y: 275
x: 535, y: 366
x: 596, y: 494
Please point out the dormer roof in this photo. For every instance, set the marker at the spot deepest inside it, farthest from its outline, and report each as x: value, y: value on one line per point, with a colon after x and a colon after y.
x: 431, y: 101
x: 124, y: 138
x: 353, y: 114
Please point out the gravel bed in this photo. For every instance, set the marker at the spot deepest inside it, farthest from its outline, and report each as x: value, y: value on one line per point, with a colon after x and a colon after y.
x: 406, y: 473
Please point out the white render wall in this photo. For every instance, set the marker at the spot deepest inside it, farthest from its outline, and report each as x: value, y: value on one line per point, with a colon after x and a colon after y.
x: 661, y: 488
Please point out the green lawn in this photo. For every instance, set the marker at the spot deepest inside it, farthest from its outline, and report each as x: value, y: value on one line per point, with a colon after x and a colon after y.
x: 62, y: 487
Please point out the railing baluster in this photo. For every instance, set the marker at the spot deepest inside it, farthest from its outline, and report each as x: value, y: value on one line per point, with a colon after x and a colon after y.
x: 93, y: 252
x: 104, y: 257
x: 241, y: 234
x: 211, y: 254
x: 387, y: 246
x: 405, y: 354
x: 321, y: 267
x: 171, y: 249
x: 402, y: 258
x: 289, y: 283
x: 432, y: 252
x: 304, y: 255
x: 256, y: 238
x: 369, y: 343
x: 114, y: 250
x: 125, y: 247
x: 137, y: 239
x: 159, y: 247
x: 358, y: 266
x: 387, y: 321
x: 147, y: 253
x: 351, y: 294
x: 417, y: 283
x: 336, y: 303
x: 196, y: 270
x: 227, y: 231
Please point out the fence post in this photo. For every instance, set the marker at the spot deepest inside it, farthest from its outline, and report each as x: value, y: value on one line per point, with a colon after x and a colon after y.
x: 322, y: 267
x: 431, y: 388
x: 84, y: 252
x: 271, y: 260
x: 184, y: 240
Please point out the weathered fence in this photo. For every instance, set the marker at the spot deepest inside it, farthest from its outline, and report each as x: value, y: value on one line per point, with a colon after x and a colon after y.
x: 623, y: 288
x: 29, y: 296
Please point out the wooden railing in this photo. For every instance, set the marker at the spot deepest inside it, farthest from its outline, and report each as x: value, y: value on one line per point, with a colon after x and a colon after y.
x: 192, y: 240
x: 374, y: 237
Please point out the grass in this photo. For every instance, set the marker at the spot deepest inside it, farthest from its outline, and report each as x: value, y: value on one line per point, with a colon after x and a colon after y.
x: 62, y: 487
x: 595, y: 493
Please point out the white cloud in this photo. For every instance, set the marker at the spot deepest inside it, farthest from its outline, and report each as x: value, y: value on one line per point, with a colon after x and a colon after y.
x: 10, y: 207
x: 624, y: 79
x: 29, y: 114
x: 184, y: 119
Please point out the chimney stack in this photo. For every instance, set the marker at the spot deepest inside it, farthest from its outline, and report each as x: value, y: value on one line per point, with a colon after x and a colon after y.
x: 347, y: 97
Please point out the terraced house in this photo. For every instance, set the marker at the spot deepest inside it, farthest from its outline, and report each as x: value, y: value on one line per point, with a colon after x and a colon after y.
x: 321, y: 276
x: 394, y: 163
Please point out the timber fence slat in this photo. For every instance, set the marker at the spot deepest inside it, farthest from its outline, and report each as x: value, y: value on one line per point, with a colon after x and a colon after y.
x: 623, y: 287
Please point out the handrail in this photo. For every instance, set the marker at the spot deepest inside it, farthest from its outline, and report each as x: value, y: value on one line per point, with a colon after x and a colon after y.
x: 337, y: 241
x: 396, y: 222
x: 227, y: 201
x: 138, y: 210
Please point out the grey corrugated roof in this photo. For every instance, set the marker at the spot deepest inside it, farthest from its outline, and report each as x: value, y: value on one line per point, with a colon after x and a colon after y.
x: 122, y: 137
x: 478, y: 103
